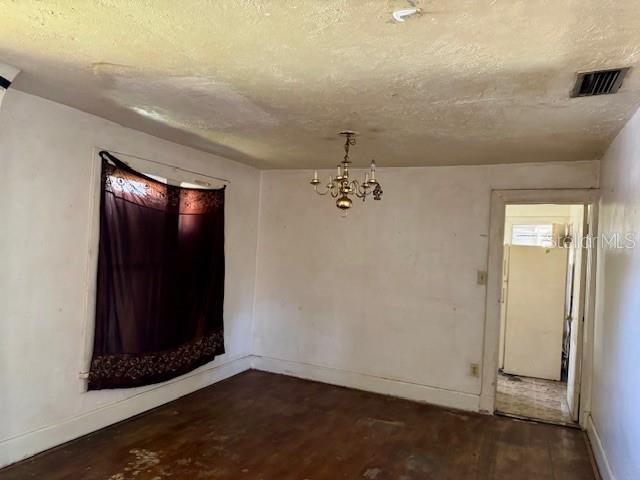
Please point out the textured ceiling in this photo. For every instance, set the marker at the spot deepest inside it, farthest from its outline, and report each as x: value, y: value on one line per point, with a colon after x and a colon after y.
x: 271, y: 82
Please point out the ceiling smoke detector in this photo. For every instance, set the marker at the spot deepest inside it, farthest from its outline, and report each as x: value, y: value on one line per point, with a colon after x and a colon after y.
x: 600, y: 82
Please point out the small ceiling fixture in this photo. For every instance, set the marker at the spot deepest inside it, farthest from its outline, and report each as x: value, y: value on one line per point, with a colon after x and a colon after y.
x: 399, y: 15
x: 341, y: 187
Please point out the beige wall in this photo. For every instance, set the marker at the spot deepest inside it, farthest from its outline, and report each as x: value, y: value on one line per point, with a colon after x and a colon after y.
x: 615, y: 429
x: 385, y: 299
x: 46, y: 161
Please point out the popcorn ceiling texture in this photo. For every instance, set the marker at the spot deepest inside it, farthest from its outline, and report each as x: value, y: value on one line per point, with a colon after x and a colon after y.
x: 271, y: 82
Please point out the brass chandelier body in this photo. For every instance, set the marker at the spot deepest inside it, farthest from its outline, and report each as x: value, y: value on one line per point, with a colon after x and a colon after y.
x: 342, y: 187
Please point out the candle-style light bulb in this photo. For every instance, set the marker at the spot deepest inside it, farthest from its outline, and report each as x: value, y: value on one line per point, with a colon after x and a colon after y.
x: 314, y: 181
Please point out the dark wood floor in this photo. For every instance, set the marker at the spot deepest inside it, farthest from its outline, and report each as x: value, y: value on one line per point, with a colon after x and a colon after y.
x: 263, y: 426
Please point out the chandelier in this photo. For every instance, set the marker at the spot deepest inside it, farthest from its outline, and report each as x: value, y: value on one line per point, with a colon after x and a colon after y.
x: 341, y: 187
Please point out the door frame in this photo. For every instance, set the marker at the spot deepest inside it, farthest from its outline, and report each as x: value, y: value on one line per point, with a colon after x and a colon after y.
x: 499, y: 200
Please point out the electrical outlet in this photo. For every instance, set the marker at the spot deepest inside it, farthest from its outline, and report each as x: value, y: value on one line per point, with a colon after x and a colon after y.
x: 482, y: 277
x: 474, y: 369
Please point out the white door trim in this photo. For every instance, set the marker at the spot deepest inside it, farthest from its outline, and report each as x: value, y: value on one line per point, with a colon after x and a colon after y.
x: 499, y: 200
x: 585, y: 282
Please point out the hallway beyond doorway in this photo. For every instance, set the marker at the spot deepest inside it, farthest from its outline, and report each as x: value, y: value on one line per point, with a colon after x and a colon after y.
x: 533, y: 398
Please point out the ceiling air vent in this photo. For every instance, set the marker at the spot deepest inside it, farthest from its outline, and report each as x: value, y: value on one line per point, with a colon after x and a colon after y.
x: 601, y: 82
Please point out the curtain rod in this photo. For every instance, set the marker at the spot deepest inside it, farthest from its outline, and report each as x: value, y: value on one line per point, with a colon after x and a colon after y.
x: 225, y: 180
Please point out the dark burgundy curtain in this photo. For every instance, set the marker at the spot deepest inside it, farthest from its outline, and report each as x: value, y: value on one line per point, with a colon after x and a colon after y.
x: 160, y: 289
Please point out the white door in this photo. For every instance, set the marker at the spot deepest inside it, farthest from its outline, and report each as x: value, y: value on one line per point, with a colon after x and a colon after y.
x: 535, y: 311
x: 580, y: 292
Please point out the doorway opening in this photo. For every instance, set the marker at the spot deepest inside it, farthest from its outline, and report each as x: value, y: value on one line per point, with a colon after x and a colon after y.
x: 541, y: 312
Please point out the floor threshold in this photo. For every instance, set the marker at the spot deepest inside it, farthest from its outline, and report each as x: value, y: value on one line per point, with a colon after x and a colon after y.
x: 538, y: 420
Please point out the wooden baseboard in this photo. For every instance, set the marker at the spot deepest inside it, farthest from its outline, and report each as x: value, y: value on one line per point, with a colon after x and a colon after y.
x: 598, y: 451
x: 370, y: 383
x: 30, y: 443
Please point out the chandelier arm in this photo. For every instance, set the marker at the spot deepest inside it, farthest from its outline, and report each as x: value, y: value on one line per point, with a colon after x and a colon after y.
x: 361, y: 191
x: 327, y: 189
x: 357, y: 189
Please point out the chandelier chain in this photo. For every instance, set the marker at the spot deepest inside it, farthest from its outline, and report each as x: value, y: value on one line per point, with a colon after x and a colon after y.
x: 348, y: 142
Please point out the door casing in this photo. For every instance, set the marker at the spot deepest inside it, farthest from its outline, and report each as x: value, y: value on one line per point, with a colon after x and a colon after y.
x: 499, y: 200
